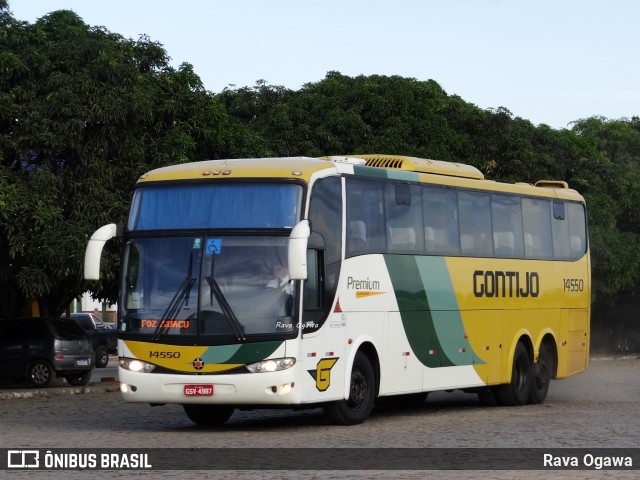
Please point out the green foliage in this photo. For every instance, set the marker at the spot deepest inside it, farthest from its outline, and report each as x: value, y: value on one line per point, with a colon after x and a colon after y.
x: 83, y: 113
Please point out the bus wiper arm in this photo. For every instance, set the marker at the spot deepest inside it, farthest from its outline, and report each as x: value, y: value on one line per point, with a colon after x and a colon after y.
x: 174, y: 307
x: 226, y: 308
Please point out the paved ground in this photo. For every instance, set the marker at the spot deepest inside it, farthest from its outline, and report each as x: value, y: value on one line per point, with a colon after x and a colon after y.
x: 593, y: 410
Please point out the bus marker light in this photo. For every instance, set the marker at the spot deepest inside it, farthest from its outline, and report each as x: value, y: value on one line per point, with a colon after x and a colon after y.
x: 406, y: 354
x: 466, y: 334
x: 433, y: 352
x: 350, y: 341
x: 311, y: 354
x: 338, y: 309
x: 462, y: 350
x: 328, y: 354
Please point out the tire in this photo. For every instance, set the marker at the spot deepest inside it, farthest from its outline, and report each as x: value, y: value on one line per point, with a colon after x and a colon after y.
x: 78, y: 379
x: 101, y: 356
x: 208, y: 415
x: 516, y: 392
x: 357, y: 408
x: 542, y: 374
x: 40, y: 373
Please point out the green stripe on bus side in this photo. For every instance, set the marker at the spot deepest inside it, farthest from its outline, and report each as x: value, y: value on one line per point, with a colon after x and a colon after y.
x: 370, y: 171
x: 445, y: 311
x: 414, y: 310
x: 429, y: 311
x: 377, y: 172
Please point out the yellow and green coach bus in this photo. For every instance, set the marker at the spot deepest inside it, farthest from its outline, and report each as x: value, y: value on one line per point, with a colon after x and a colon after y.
x: 344, y: 281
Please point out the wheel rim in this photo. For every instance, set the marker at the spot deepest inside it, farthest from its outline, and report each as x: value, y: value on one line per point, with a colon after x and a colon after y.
x: 40, y: 374
x: 359, y: 390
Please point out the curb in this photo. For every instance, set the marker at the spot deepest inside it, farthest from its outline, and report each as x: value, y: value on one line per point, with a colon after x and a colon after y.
x: 109, y: 384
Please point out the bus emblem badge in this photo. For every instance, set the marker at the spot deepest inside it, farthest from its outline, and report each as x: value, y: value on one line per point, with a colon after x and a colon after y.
x: 322, y: 373
x: 198, y: 364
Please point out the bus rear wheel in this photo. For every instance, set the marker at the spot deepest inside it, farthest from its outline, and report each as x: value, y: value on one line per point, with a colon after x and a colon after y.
x: 357, y: 408
x: 542, y: 374
x: 516, y: 392
x: 208, y: 415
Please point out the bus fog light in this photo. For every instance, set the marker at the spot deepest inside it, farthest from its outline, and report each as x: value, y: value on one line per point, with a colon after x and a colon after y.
x: 286, y: 388
x: 272, y: 365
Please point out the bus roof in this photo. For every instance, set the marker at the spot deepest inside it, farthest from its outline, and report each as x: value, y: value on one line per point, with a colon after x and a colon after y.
x: 390, y: 166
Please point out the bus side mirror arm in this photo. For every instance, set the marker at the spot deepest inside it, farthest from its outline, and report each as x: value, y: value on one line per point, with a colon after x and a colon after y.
x: 94, y: 249
x: 298, y: 241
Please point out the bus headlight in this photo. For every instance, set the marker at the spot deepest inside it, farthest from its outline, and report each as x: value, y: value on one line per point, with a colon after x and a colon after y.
x: 135, y: 365
x: 271, y: 365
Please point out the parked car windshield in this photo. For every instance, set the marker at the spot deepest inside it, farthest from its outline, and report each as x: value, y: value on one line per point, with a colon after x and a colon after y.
x: 67, y: 329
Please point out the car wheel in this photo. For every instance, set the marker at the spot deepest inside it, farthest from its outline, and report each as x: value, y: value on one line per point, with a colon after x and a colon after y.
x: 40, y: 373
x: 79, y: 379
x: 102, y: 356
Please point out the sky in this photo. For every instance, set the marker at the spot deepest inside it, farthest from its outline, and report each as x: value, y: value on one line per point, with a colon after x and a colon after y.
x: 548, y: 61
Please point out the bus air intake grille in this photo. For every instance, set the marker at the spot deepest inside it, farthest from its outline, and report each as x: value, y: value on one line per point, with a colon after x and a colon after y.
x: 384, y: 163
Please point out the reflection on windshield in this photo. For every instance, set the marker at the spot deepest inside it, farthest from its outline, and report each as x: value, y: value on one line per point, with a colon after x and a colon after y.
x: 224, y: 286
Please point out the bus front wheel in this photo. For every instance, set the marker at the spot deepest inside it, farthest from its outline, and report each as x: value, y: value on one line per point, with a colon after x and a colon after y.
x: 516, y: 392
x: 357, y: 408
x: 208, y: 415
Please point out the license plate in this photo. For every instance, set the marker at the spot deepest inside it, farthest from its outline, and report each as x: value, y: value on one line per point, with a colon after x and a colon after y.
x: 198, y: 390
x: 82, y: 362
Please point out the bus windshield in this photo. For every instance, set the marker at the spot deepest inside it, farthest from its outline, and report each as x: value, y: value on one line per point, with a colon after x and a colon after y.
x: 230, y: 286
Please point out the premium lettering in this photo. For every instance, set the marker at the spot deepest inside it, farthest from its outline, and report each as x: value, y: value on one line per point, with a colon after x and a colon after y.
x: 363, y: 284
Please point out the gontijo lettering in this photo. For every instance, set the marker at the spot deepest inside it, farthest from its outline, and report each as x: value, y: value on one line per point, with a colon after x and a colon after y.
x: 489, y: 283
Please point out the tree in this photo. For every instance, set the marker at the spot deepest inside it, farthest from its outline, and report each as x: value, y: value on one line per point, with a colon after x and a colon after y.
x: 83, y: 113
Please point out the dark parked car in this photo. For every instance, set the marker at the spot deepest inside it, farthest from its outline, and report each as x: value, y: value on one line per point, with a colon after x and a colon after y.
x: 104, y: 337
x: 39, y: 349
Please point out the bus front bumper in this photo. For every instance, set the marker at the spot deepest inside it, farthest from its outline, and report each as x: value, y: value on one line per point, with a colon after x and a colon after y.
x: 268, y: 388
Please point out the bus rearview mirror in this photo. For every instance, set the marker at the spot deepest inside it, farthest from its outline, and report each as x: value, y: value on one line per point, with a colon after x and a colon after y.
x: 298, y: 241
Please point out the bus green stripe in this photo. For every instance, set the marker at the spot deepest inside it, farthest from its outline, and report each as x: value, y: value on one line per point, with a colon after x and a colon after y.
x: 445, y: 311
x: 240, y: 354
x: 429, y: 310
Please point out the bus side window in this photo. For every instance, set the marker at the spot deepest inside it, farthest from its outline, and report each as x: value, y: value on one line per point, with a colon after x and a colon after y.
x: 440, y: 213
x: 506, y: 214
x: 357, y: 238
x: 560, y: 230
x: 403, y: 213
x: 536, y: 218
x: 577, y: 229
x: 475, y: 223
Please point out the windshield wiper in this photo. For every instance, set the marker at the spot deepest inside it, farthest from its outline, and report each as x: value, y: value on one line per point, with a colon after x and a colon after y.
x: 214, y: 288
x: 176, y: 302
